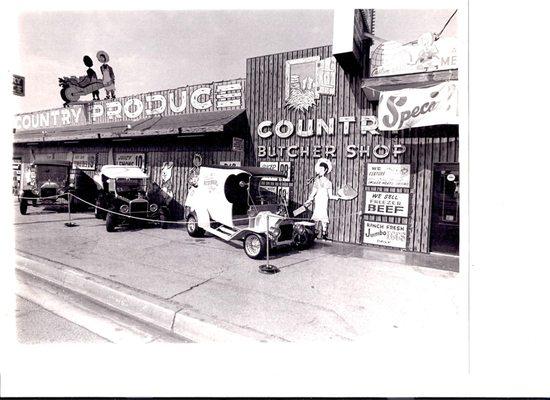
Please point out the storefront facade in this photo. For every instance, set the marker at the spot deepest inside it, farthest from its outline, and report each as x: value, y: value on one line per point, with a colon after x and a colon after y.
x: 306, y: 105
x: 160, y: 132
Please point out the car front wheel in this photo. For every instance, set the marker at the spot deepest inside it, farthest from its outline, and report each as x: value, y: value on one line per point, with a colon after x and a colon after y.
x: 254, y: 246
x: 23, y: 207
x: 110, y: 222
x: 193, y: 228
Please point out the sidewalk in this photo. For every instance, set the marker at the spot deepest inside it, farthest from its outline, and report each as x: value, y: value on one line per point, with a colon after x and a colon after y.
x: 207, y: 290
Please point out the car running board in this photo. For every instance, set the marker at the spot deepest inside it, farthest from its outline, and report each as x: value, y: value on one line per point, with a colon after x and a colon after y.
x: 223, y: 232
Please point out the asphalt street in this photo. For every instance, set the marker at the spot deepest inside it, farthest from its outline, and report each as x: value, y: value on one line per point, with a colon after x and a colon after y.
x: 36, y: 325
x: 330, y: 292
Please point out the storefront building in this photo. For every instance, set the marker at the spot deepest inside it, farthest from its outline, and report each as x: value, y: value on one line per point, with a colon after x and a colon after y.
x: 161, y: 132
x: 390, y: 134
x: 387, y: 125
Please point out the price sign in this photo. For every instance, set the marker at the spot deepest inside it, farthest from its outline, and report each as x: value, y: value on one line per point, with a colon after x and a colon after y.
x: 284, y: 167
x: 231, y: 163
x: 271, y: 165
x: 84, y: 161
x: 131, y: 159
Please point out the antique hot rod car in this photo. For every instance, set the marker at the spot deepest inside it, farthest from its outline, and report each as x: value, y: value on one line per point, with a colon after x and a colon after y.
x: 122, y: 191
x: 229, y: 202
x: 48, y: 182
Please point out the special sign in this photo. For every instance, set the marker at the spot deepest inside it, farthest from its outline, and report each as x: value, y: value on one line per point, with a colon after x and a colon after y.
x: 384, y: 234
x: 388, y: 204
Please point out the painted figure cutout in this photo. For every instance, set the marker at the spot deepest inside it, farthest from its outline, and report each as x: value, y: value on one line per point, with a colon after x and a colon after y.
x: 166, y: 178
x: 92, y: 76
x: 72, y: 88
x: 108, y: 75
x: 321, y: 194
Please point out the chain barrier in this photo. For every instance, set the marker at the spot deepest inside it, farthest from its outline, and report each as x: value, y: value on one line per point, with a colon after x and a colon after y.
x: 183, y: 223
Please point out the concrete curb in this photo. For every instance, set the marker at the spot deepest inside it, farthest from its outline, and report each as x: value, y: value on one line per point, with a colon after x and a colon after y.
x: 160, y: 313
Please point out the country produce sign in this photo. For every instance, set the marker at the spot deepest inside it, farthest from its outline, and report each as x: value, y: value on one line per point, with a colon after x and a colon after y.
x: 388, y: 204
x: 384, y: 234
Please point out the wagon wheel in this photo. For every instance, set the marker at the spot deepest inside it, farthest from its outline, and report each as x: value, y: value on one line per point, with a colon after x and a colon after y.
x: 71, y: 93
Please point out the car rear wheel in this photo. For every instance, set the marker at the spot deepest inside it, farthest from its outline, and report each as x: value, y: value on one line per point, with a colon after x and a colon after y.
x: 193, y: 228
x: 23, y: 207
x: 110, y: 222
x: 254, y: 246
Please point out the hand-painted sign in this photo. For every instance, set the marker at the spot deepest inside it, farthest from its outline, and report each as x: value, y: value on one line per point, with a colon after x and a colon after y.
x: 389, y: 204
x: 306, y: 79
x: 282, y: 166
x: 231, y: 163
x: 208, y: 97
x: 389, y: 175
x: 424, y: 54
x: 384, y: 234
x: 271, y: 165
x: 136, y: 159
x: 74, y: 115
x: 410, y: 108
x: 237, y: 144
x: 84, y: 161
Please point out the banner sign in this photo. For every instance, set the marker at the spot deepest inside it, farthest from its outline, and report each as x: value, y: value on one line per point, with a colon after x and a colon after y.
x: 84, y: 161
x: 389, y: 175
x: 410, y: 108
x: 384, y: 234
x: 215, y: 96
x: 388, y: 204
x: 422, y: 55
x: 132, y: 159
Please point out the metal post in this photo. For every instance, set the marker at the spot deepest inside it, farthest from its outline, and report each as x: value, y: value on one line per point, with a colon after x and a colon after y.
x: 267, y: 268
x: 69, y: 224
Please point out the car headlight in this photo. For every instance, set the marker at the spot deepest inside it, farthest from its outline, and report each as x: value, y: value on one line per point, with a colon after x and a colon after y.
x: 153, y: 208
x: 275, y: 232
x: 299, y: 228
x: 124, y: 209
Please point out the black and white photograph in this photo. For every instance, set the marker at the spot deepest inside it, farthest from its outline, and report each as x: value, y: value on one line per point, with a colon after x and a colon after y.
x: 228, y: 181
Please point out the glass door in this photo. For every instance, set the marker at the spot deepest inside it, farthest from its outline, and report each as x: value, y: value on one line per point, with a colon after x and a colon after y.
x: 444, y: 237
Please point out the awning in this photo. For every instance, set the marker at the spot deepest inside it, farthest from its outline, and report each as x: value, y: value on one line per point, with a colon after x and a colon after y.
x: 372, y: 87
x: 183, y: 124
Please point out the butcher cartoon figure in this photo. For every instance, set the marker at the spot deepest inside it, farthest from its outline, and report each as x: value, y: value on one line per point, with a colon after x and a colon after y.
x: 321, y: 194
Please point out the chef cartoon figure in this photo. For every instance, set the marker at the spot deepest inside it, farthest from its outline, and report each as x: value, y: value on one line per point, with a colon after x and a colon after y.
x: 321, y: 194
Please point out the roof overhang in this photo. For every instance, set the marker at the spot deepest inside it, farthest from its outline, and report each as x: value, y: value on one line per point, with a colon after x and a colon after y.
x: 372, y: 87
x: 184, y: 124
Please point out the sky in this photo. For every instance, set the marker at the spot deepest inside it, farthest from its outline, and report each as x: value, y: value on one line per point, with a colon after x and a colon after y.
x: 155, y: 50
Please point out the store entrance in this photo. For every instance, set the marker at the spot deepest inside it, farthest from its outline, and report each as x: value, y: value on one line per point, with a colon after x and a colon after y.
x: 444, y: 236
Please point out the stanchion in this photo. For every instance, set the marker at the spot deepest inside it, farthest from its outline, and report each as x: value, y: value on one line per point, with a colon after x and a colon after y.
x: 267, y: 268
x: 69, y: 224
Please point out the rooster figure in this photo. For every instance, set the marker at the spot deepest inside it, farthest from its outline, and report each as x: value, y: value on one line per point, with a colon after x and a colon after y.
x: 302, y: 95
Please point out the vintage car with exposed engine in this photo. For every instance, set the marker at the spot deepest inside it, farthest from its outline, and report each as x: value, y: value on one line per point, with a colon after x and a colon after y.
x: 122, y: 195
x: 48, y: 182
x: 229, y: 202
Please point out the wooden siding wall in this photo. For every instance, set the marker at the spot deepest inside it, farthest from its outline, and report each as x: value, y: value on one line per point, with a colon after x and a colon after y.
x: 265, y: 101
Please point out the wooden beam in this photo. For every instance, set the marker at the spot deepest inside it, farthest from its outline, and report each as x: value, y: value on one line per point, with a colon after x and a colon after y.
x: 373, y: 86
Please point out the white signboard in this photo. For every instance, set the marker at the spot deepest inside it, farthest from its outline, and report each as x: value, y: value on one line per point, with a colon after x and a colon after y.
x: 231, y: 163
x: 384, y: 234
x: 410, y: 108
x: 424, y: 54
x: 271, y: 165
x: 284, y: 167
x: 389, y: 204
x: 84, y: 161
x: 134, y: 159
x: 284, y: 193
x: 389, y: 175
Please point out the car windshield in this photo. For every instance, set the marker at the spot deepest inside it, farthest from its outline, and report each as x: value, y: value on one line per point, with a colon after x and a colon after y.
x: 129, y: 185
x: 53, y: 173
x: 262, y: 194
